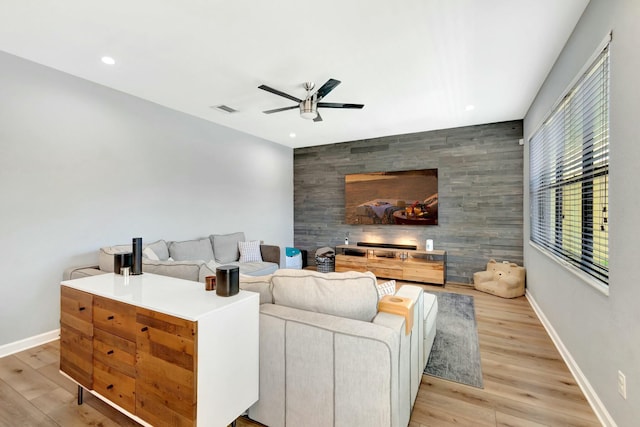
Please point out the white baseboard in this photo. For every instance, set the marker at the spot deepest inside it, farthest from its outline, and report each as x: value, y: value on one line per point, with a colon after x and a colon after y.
x: 15, y: 347
x: 593, y: 399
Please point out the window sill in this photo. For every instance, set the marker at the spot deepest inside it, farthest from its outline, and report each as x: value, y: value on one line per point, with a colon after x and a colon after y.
x: 594, y: 283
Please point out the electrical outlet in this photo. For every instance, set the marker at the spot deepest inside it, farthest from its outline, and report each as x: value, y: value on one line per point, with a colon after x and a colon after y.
x: 622, y: 385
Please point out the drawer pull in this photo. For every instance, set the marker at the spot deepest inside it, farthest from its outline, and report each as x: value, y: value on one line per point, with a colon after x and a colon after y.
x: 110, y: 352
x: 110, y: 317
x: 82, y: 308
x: 144, y: 329
x: 110, y: 386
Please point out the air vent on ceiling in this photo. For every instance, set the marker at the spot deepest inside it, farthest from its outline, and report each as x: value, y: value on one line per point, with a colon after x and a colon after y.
x: 224, y: 108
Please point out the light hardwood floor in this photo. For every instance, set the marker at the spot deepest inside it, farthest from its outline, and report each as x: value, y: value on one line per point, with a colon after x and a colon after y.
x: 526, y: 382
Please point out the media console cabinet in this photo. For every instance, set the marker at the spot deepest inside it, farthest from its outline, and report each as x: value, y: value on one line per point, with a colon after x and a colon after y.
x: 392, y: 263
x: 161, y: 350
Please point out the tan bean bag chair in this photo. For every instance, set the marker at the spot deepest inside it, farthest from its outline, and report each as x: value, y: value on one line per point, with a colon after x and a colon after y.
x: 504, y: 279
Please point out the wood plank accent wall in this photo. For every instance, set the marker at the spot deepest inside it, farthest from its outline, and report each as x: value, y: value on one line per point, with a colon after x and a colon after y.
x: 480, y: 184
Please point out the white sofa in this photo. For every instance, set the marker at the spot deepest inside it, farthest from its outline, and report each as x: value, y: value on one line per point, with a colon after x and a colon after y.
x: 425, y: 314
x: 189, y: 260
x: 328, y: 357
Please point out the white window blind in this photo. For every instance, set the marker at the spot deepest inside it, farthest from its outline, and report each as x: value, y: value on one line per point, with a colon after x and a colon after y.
x: 569, y: 175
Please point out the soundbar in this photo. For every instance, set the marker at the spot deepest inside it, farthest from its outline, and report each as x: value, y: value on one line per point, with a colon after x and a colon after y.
x: 388, y: 246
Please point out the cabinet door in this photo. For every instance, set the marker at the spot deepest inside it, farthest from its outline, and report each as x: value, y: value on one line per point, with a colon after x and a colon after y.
x: 166, y: 369
x: 350, y: 263
x: 432, y: 272
x: 76, y: 335
x: 388, y: 268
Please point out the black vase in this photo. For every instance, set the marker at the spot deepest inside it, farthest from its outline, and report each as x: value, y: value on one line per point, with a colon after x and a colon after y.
x: 227, y: 280
x: 121, y: 261
x: 136, y: 266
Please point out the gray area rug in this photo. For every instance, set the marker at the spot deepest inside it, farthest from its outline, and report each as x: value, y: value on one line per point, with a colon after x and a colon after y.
x: 455, y: 355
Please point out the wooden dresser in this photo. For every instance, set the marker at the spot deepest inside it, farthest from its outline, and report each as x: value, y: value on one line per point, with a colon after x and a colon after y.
x: 163, y: 351
x: 399, y: 264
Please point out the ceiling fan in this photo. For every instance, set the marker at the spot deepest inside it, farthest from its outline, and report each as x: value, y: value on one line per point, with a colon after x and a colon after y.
x: 309, y: 106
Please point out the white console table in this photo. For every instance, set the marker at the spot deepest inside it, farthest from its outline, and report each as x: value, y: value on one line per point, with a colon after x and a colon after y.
x: 162, y: 350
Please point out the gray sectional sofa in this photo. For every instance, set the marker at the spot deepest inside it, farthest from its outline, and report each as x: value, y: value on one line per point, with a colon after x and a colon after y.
x: 189, y: 260
x: 329, y: 357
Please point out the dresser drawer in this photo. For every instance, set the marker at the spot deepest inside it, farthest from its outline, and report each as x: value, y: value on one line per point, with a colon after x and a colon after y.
x: 115, y: 386
x: 385, y: 268
x: 76, y: 356
x: 350, y: 263
x: 115, y: 352
x: 341, y: 268
x: 424, y: 272
x: 76, y: 310
x: 166, y: 367
x: 76, y: 331
x: 115, y: 317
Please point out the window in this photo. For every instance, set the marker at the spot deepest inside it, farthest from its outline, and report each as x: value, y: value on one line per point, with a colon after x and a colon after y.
x: 569, y: 175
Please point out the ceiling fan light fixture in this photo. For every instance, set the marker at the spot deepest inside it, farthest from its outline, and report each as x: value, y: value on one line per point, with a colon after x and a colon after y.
x: 308, y: 109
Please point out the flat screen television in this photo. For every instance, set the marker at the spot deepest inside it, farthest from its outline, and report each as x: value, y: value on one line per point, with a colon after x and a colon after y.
x: 400, y: 197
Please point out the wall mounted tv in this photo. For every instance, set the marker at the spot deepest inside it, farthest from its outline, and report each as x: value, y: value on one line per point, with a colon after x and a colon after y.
x: 401, y: 197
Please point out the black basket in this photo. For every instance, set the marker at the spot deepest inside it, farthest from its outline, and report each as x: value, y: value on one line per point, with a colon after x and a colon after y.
x: 325, y: 264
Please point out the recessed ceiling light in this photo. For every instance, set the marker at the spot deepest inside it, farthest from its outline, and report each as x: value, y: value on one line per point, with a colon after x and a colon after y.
x: 224, y: 108
x: 469, y: 107
x: 292, y: 135
x: 108, y: 60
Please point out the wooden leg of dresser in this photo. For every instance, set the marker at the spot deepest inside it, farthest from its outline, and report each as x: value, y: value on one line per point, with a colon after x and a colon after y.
x: 80, y: 395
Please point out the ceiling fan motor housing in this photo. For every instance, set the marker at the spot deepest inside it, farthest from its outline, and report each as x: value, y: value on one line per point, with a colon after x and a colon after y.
x: 309, y: 108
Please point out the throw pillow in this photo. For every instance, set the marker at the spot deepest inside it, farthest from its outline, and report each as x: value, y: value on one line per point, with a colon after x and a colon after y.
x: 191, y: 250
x: 250, y: 251
x: 159, y: 248
x: 148, y: 253
x: 225, y: 246
x: 386, y: 288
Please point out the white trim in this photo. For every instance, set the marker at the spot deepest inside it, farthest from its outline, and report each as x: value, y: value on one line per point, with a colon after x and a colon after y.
x: 608, y: 39
x: 17, y: 346
x: 593, y: 399
x: 108, y: 402
x: 589, y: 280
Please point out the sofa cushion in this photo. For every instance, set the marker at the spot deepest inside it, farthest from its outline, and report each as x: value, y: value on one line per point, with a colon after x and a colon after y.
x: 247, y: 268
x: 250, y: 251
x: 150, y: 254
x: 259, y: 284
x: 159, y: 248
x: 430, y: 315
x: 191, y: 250
x: 106, y: 253
x: 225, y: 246
x: 187, y: 270
x: 352, y: 294
x: 261, y: 268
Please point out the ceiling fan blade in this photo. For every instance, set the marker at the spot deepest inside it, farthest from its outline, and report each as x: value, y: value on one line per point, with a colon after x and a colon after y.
x: 277, y: 110
x: 338, y: 105
x: 318, y: 118
x: 327, y: 87
x: 277, y: 92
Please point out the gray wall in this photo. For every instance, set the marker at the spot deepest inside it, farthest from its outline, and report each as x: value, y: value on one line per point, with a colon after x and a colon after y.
x: 83, y: 166
x: 479, y: 184
x: 601, y: 332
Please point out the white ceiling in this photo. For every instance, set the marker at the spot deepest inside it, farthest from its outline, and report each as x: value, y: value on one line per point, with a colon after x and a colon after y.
x: 415, y: 64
